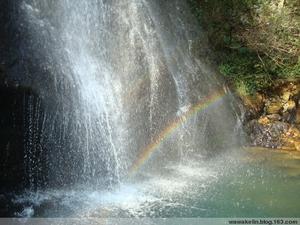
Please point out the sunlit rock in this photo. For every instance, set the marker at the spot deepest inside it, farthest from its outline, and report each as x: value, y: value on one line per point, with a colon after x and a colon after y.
x: 273, y: 107
x: 286, y: 96
x: 274, y: 117
x: 264, y: 120
x: 289, y: 105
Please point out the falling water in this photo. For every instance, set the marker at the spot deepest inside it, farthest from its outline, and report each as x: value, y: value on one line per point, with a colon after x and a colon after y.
x: 111, y: 76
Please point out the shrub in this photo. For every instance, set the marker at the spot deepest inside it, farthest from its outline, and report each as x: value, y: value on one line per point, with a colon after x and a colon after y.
x: 256, y: 41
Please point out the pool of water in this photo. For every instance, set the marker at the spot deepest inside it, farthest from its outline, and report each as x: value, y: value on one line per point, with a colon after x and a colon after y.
x: 257, y: 183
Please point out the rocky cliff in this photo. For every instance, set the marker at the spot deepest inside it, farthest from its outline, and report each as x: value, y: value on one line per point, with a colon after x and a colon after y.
x: 272, y: 118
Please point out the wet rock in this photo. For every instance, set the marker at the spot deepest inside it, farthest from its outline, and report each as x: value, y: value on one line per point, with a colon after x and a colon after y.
x: 273, y: 134
x: 292, y: 139
x: 276, y: 124
x: 266, y: 135
x: 12, y: 135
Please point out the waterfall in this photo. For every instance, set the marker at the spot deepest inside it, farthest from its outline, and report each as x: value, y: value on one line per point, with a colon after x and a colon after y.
x: 112, y: 76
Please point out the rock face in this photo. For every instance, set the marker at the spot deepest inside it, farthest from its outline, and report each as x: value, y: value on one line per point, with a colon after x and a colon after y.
x: 13, y: 175
x: 273, y: 120
x: 266, y: 134
x: 13, y: 106
x: 11, y: 137
x: 273, y: 106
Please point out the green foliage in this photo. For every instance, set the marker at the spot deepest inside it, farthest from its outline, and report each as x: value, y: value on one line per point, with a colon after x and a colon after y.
x: 222, y: 18
x: 256, y: 41
x: 291, y: 71
x: 250, y: 73
x: 247, y: 73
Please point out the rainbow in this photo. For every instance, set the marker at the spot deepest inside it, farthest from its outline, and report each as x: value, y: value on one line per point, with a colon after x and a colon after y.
x: 171, y: 127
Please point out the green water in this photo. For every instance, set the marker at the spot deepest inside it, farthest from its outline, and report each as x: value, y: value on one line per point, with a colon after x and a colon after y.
x: 256, y: 183
x: 251, y: 191
x: 262, y: 183
x: 265, y: 184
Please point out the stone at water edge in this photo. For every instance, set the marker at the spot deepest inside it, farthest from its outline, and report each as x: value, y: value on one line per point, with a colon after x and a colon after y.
x: 291, y: 139
x: 297, y: 145
x: 276, y: 125
x: 274, y: 134
x: 266, y: 135
x: 293, y: 132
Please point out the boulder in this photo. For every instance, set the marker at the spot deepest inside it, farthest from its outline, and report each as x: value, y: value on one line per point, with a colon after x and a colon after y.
x: 254, y: 103
x: 263, y: 120
x: 286, y: 96
x: 273, y: 106
x: 287, y: 89
x: 274, y: 117
x: 273, y: 134
x: 276, y: 124
x: 266, y: 135
x: 292, y: 138
x: 289, y: 105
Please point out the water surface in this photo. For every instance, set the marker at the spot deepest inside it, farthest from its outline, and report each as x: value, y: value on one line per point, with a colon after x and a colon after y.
x: 256, y: 183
